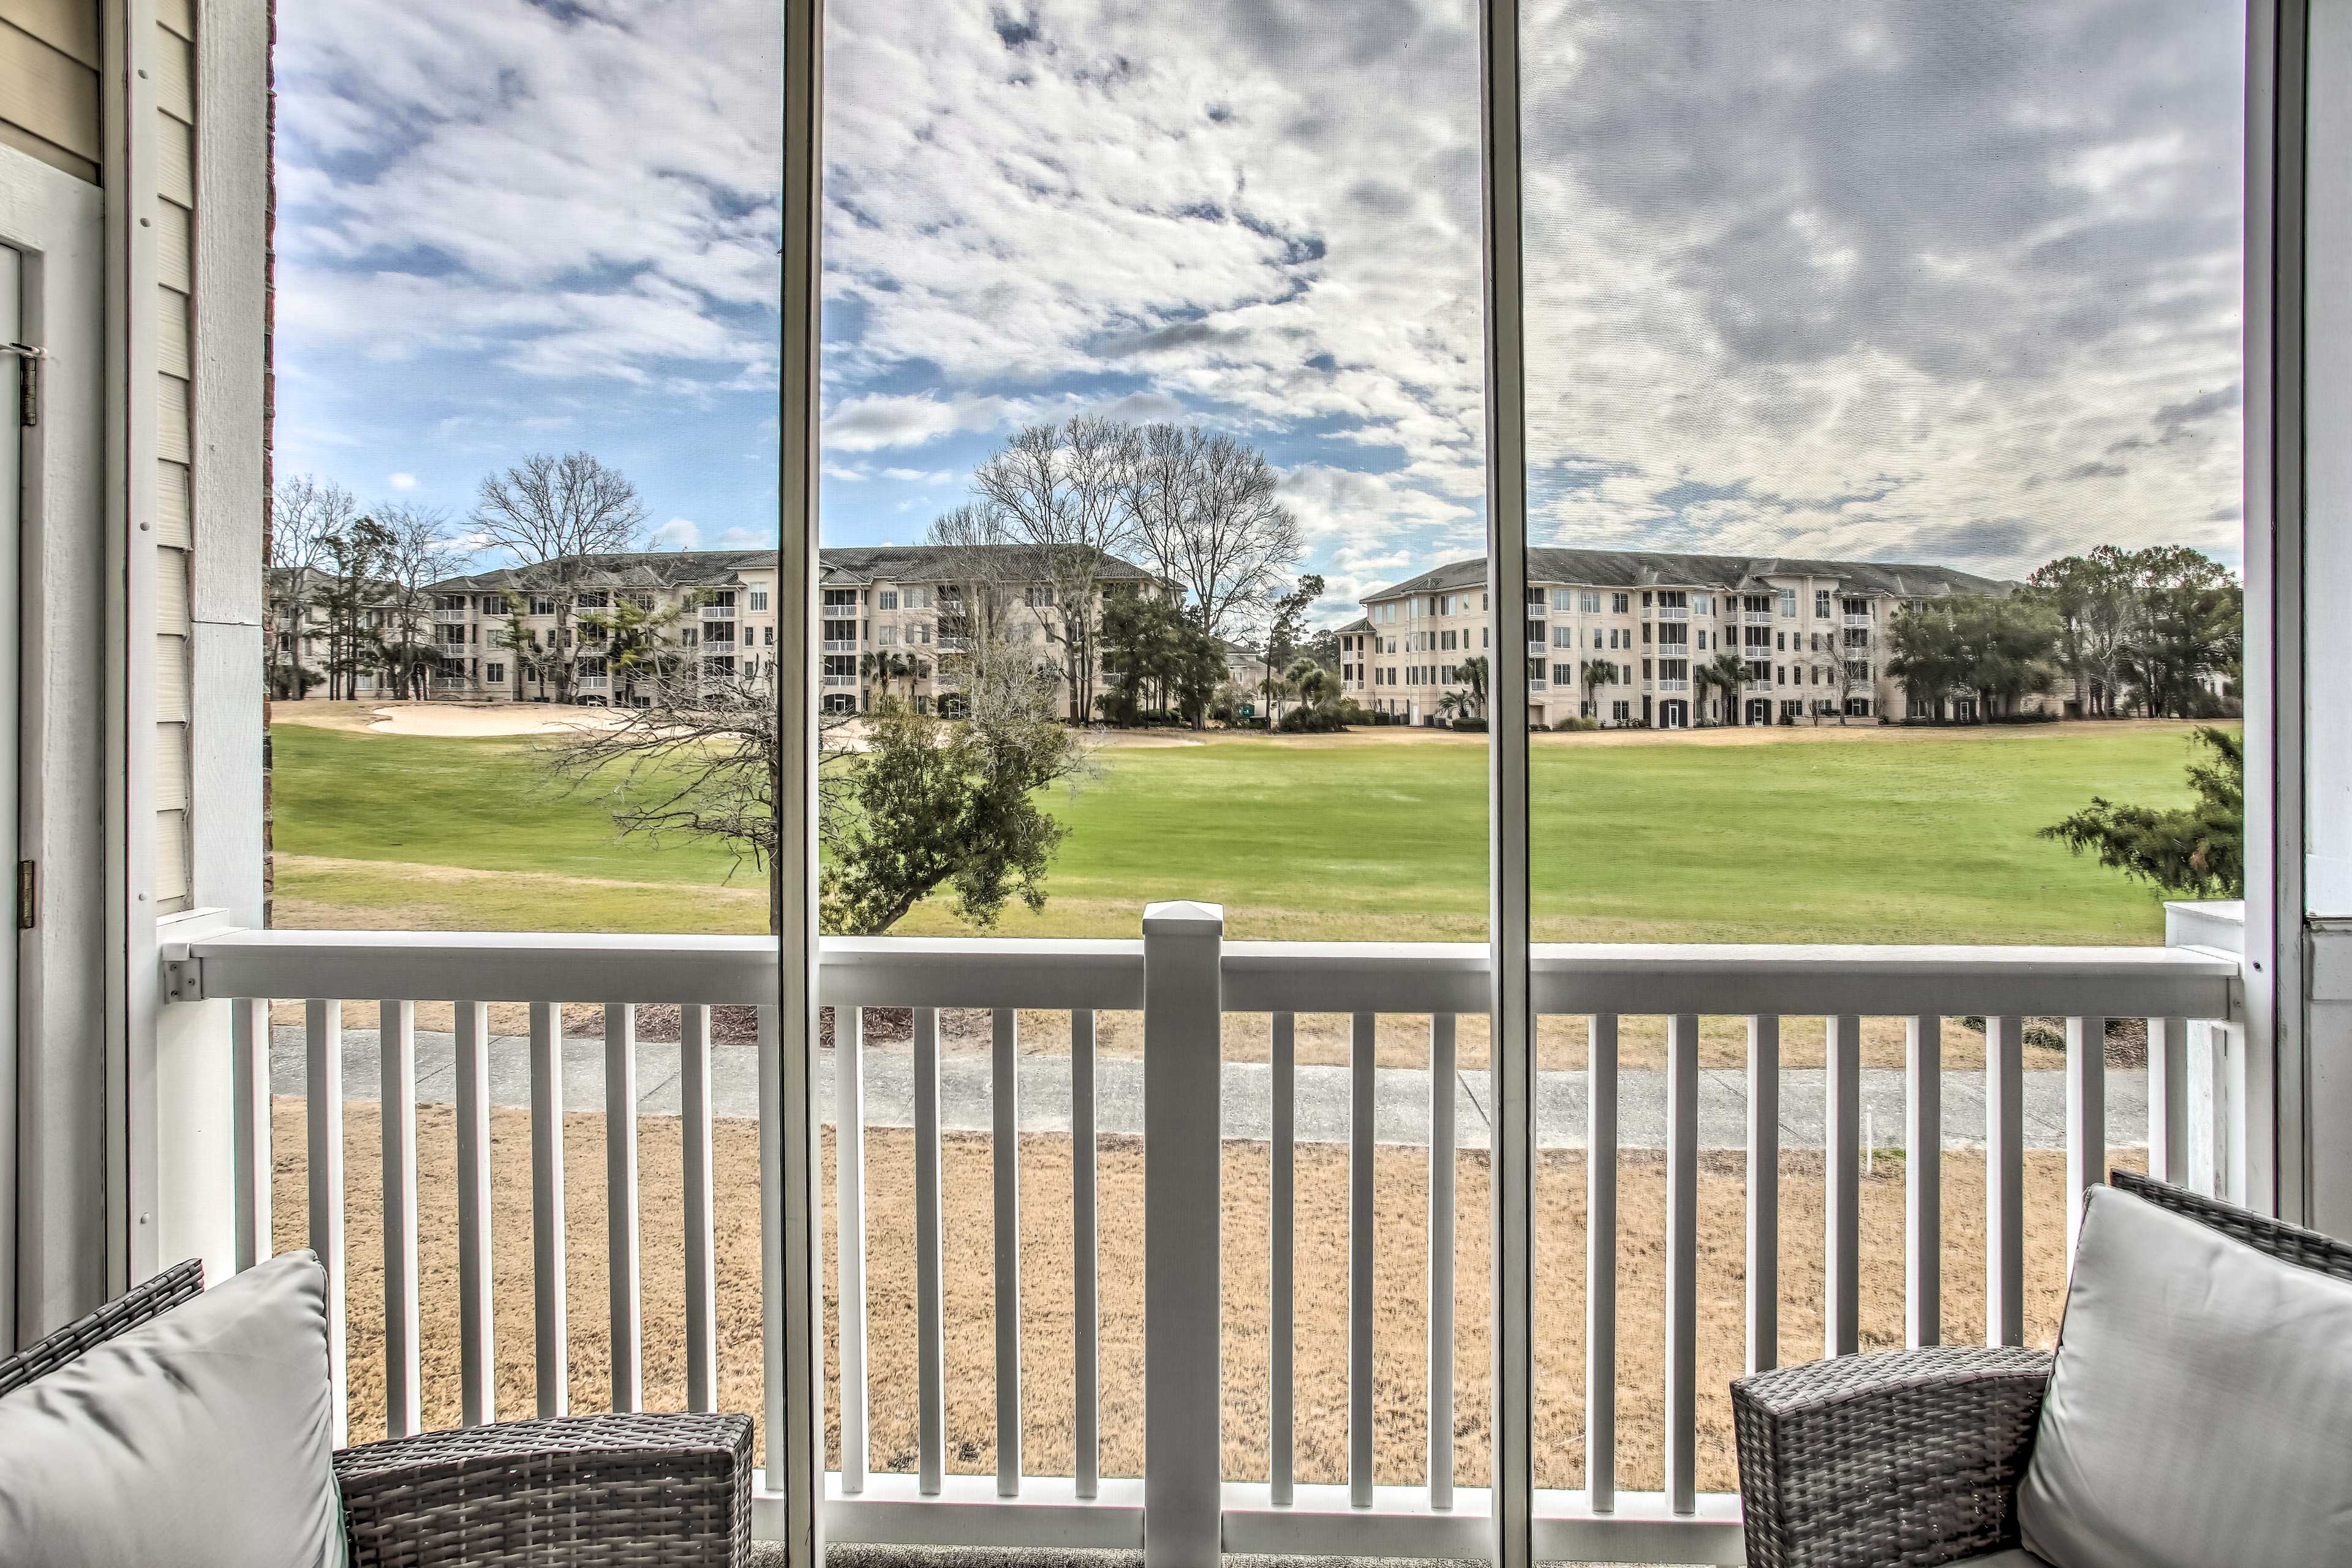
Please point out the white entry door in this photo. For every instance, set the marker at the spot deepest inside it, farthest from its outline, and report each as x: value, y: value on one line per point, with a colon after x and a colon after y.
x: 13, y: 372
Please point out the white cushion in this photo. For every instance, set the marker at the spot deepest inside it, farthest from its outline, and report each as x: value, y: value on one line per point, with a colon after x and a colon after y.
x: 203, y: 1439
x: 2200, y: 1410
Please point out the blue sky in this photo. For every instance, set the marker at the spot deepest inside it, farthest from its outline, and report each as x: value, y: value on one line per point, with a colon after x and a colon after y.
x: 1896, y: 280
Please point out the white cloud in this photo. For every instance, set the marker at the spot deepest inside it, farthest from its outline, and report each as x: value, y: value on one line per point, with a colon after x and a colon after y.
x: 678, y: 533
x: 875, y: 422
x: 402, y: 481
x: 918, y: 476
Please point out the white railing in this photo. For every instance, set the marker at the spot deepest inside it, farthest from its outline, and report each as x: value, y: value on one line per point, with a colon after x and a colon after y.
x: 1536, y: 683
x: 840, y: 680
x: 594, y: 683
x: 841, y: 645
x: 1671, y: 683
x: 447, y: 617
x: 718, y: 612
x: 1759, y: 617
x: 1854, y: 620
x: 1674, y: 612
x: 1183, y: 979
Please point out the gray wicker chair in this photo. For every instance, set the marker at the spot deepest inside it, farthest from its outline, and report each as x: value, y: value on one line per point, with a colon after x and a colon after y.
x: 1911, y: 1459
x: 582, y: 1491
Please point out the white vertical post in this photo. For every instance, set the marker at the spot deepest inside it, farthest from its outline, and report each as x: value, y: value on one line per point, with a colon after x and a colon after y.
x: 1682, y: 1263
x: 322, y: 1039
x: 1510, y: 983
x: 1763, y: 1193
x: 250, y: 1129
x: 1842, y: 1246
x: 1362, y: 1055
x: 849, y: 1234
x: 2004, y: 1181
x: 1085, y: 1307
x: 1282, y: 1310
x: 2167, y: 1099
x: 2086, y: 1119
x: 396, y: 1069
x: 1600, y: 1265
x: 1923, y: 1181
x: 477, y: 1346
x: 1441, y: 1261
x: 1005, y: 1098
x: 695, y: 1183
x: 1182, y: 1180
x: 931, y: 1321
x: 620, y: 1248
x: 552, y: 1332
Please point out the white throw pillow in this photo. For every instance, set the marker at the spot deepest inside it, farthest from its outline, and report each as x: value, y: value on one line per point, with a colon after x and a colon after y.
x: 203, y: 1439
x: 2200, y: 1411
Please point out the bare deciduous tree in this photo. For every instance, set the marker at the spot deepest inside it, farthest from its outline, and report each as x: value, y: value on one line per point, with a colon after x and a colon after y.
x: 305, y: 512
x: 1059, y: 493
x: 556, y: 516
x: 419, y: 552
x: 1206, y: 507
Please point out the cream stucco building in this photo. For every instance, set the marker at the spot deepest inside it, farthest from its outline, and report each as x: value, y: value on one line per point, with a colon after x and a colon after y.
x: 1623, y: 637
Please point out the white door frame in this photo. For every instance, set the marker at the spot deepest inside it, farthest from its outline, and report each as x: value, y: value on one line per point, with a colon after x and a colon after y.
x: 53, y: 1232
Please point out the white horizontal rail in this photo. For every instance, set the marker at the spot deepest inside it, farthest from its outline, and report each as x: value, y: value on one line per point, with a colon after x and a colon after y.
x: 1258, y: 977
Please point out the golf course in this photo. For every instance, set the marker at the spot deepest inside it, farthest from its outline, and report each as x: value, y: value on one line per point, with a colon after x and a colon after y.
x: 1867, y: 834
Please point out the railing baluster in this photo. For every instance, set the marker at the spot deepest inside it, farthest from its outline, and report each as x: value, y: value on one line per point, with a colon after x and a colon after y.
x: 1005, y: 1103
x: 849, y: 1234
x: 1841, y: 1244
x: 2004, y: 1181
x: 250, y: 1127
x: 1763, y: 1191
x: 396, y: 1070
x: 930, y: 1378
x: 2086, y: 1119
x: 1363, y: 1056
x: 1600, y: 1264
x: 1084, y: 1309
x: 2167, y: 1099
x: 1923, y: 1181
x: 476, y: 1343
x: 1441, y: 1260
x: 1283, y: 1308
x: 695, y: 1178
x: 1682, y: 1263
x: 621, y: 1252
x: 551, y: 1334
x: 323, y: 1041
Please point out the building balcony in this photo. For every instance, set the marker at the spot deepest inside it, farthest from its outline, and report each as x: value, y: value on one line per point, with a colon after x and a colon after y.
x: 1537, y: 683
x: 1758, y: 618
x: 1859, y: 621
x: 954, y: 645
x: 1674, y: 612
x: 840, y: 682
x: 1537, y: 648
x: 450, y: 617
x: 525, y: 1086
x: 1671, y: 685
x: 593, y: 683
x: 841, y: 645
x: 718, y: 612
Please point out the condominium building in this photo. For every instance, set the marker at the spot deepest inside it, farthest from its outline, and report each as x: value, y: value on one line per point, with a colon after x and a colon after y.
x: 887, y: 615
x: 1624, y: 636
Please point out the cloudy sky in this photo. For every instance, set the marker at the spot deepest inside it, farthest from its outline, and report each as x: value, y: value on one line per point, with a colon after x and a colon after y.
x: 1902, y: 279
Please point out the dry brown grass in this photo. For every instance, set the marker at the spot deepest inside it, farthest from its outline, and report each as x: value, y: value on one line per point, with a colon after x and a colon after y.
x: 1400, y: 1315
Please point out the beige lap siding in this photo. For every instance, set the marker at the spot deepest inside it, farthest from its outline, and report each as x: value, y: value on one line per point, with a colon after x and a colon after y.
x: 49, y: 83
x: 174, y: 54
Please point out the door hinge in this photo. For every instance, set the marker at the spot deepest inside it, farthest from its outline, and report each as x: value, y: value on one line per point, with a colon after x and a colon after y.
x: 28, y: 394
x: 28, y: 896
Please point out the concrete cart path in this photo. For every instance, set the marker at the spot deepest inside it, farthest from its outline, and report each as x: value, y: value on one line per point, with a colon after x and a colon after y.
x: 1401, y: 1107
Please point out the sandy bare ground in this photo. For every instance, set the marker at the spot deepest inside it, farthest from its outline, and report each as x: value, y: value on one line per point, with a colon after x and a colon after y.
x: 444, y: 719
x: 1400, y: 1312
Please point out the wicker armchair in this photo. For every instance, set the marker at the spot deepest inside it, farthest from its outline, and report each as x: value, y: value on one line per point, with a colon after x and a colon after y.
x: 1911, y: 1459
x: 583, y: 1491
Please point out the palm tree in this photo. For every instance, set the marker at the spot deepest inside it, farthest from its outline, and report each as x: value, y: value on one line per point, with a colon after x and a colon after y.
x: 1597, y: 673
x: 1310, y: 680
x: 885, y: 667
x: 1728, y: 671
x: 1474, y: 675
x: 1276, y: 687
x: 1452, y: 705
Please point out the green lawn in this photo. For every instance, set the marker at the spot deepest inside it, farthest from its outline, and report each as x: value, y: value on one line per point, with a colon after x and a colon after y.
x: 1874, y: 835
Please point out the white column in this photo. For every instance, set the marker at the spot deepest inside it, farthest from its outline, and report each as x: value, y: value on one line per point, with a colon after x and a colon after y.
x: 1181, y: 1278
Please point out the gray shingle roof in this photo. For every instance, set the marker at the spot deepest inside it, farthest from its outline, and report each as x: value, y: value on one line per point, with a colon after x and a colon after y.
x: 1647, y: 569
x: 843, y: 567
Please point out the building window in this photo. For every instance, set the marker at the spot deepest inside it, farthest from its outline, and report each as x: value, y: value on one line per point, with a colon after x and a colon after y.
x: 1788, y: 603
x: 1621, y: 711
x: 1620, y: 603
x: 758, y: 600
x: 1589, y: 603
x: 495, y: 673
x: 1820, y: 603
